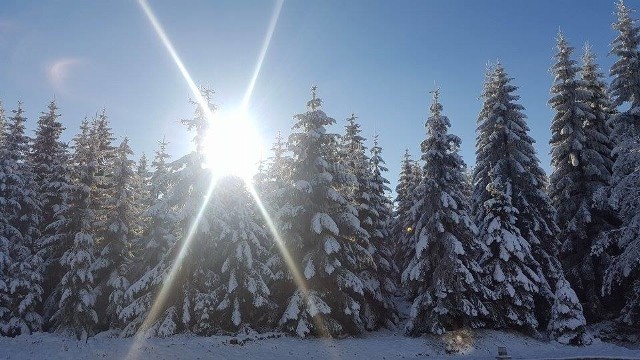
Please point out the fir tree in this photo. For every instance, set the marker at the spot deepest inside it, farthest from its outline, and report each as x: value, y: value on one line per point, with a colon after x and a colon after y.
x: 378, y: 309
x: 240, y: 296
x: 568, y: 324
x: 49, y: 159
x: 157, y: 238
x: 119, y: 231
x: 580, y: 178
x: 20, y: 210
x: 401, y: 230
x: 506, y: 160
x: 322, y: 233
x: 624, y: 242
x: 443, y: 274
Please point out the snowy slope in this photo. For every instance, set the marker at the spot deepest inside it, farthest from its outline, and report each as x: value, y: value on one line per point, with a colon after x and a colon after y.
x: 379, y: 345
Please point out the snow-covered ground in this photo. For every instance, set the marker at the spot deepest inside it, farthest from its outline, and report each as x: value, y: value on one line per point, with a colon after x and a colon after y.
x: 378, y: 345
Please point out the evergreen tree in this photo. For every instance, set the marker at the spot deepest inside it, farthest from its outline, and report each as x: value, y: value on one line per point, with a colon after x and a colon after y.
x: 378, y: 309
x: 322, y: 234
x: 582, y: 161
x: 119, y: 231
x: 240, y: 296
x: 516, y: 199
x: 443, y: 274
x: 75, y: 295
x: 20, y: 210
x: 624, y: 242
x: 568, y: 324
x: 380, y: 234
x: 49, y: 159
x: 157, y: 238
x: 185, y: 269
x: 401, y: 230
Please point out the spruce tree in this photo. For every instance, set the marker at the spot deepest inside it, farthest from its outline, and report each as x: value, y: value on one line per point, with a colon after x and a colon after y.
x: 507, y: 161
x: 75, y: 295
x: 20, y: 210
x: 568, y: 324
x: 624, y: 242
x: 116, y: 250
x: 401, y: 230
x: 443, y: 274
x: 151, y: 262
x: 322, y: 234
x: 49, y: 159
x: 240, y: 296
x: 582, y: 161
x: 378, y: 309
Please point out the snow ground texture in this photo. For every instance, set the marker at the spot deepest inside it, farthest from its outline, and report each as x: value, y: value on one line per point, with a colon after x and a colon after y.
x: 378, y: 345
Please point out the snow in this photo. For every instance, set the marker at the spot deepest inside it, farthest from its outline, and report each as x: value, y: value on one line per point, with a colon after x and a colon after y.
x: 379, y: 345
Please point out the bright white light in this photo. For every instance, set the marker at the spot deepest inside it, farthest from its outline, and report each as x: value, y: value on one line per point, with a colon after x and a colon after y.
x: 232, y: 145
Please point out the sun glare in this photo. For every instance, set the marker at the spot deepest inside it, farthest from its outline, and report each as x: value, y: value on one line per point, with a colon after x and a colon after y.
x: 233, y: 145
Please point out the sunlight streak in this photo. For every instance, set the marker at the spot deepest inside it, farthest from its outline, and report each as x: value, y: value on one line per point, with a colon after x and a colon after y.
x: 263, y: 52
x: 298, y: 278
x: 158, y: 304
x: 176, y: 58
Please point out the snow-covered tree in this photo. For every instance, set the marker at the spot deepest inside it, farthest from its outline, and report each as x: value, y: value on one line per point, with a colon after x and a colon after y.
x: 179, y: 276
x: 323, y: 235
x: 150, y: 264
x: 582, y: 161
x: 378, y: 309
x: 444, y: 274
x: 20, y: 210
x: 49, y: 160
x: 116, y: 250
x: 567, y: 324
x: 380, y: 237
x: 240, y: 296
x: 75, y: 295
x: 506, y: 160
x: 624, y: 242
x: 401, y: 230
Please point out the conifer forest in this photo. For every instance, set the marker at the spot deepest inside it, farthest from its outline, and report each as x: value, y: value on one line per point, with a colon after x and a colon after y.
x: 95, y: 238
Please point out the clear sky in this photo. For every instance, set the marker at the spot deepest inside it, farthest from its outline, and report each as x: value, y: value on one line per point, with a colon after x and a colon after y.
x: 378, y: 59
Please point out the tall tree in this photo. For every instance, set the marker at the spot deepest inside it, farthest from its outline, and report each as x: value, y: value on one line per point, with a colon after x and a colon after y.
x: 75, y: 295
x: 401, y: 230
x: 49, y: 159
x: 516, y: 200
x: 582, y: 161
x: 151, y: 262
x: 443, y: 274
x: 624, y: 242
x: 20, y: 210
x: 240, y: 296
x: 322, y: 233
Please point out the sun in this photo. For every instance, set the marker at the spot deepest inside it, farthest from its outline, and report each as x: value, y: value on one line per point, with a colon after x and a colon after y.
x: 233, y: 145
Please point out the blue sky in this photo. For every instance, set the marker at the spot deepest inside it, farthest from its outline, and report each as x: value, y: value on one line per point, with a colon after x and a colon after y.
x: 377, y: 59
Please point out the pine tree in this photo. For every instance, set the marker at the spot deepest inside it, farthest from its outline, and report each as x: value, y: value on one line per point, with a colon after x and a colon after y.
x: 49, y: 159
x: 75, y: 295
x: 401, y: 230
x: 322, y: 234
x: 157, y: 238
x: 568, y: 324
x: 516, y: 200
x: 443, y: 274
x: 624, y: 242
x: 241, y: 297
x: 20, y: 210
